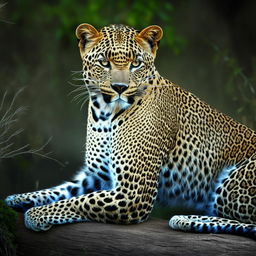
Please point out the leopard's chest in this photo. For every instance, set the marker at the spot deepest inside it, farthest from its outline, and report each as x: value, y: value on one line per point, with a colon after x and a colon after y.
x: 99, y: 145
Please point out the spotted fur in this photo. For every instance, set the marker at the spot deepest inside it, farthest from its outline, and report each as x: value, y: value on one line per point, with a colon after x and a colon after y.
x: 149, y: 139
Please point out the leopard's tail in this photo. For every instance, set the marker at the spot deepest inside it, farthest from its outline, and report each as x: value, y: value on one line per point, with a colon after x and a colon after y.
x: 207, y: 224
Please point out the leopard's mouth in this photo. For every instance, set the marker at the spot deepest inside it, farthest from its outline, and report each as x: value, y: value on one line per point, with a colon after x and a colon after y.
x: 109, y: 99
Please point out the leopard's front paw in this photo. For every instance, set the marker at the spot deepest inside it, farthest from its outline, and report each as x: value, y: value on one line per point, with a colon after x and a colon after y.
x: 19, y: 202
x: 34, y: 219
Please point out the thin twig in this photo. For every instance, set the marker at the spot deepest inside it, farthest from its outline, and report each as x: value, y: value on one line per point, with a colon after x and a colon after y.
x: 8, y: 118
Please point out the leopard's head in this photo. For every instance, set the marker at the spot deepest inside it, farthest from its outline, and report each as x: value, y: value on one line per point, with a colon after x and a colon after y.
x: 118, y: 61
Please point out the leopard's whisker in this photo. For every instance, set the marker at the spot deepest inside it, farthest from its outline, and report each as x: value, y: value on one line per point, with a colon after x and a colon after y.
x: 85, y: 100
x: 82, y: 88
x: 79, y: 96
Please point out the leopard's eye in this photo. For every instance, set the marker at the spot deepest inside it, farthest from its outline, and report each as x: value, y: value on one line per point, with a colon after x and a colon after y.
x: 136, y: 63
x: 104, y: 63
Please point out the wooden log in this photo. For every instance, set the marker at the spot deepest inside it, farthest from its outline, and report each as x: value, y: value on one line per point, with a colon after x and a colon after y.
x: 153, y: 237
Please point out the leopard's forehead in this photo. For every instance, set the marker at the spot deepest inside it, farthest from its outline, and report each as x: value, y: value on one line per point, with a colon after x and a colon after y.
x: 119, y: 34
x: 118, y: 43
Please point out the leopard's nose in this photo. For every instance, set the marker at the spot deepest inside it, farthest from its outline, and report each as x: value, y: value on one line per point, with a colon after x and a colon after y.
x: 119, y: 87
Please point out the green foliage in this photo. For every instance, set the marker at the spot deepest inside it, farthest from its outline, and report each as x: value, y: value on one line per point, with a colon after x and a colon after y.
x: 65, y: 15
x: 238, y: 86
x: 8, y: 219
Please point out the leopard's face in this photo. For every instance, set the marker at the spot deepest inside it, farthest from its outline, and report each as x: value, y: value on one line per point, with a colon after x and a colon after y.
x: 118, y: 61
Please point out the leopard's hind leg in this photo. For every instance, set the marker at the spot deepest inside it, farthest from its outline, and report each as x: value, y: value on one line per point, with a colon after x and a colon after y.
x: 86, y: 181
x: 234, y: 204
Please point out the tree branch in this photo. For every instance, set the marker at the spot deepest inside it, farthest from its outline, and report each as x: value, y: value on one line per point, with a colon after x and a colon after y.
x: 153, y: 237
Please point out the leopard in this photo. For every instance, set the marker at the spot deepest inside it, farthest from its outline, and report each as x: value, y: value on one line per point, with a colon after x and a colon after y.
x: 148, y: 141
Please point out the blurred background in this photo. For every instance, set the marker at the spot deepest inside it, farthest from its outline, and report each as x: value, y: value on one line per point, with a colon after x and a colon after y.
x: 209, y: 48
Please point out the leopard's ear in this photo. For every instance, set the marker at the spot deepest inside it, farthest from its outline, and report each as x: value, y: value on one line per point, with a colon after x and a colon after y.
x: 87, y: 36
x: 149, y: 37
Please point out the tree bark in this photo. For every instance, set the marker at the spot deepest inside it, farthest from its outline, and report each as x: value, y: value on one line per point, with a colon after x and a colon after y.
x: 153, y: 237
